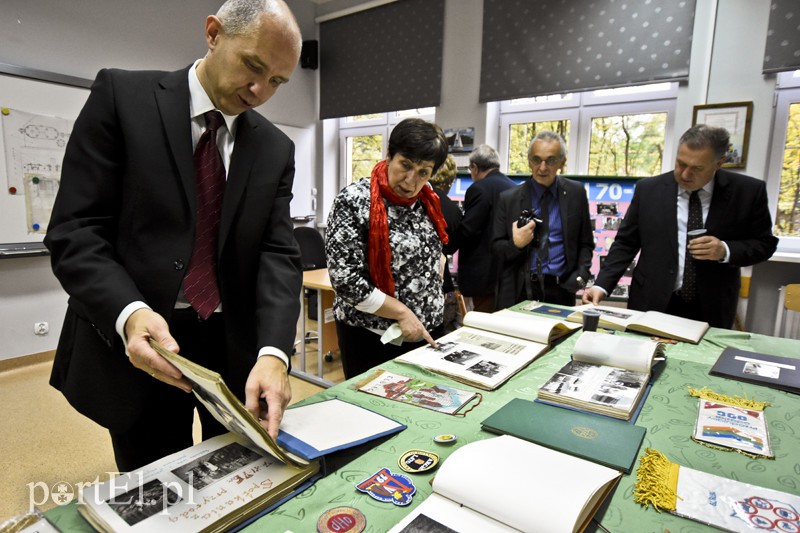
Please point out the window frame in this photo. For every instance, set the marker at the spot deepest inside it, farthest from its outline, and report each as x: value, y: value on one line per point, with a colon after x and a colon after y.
x: 382, y: 125
x: 787, y: 93
x: 581, y: 109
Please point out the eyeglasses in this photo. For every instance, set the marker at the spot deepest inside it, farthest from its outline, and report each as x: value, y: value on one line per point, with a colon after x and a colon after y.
x: 550, y: 161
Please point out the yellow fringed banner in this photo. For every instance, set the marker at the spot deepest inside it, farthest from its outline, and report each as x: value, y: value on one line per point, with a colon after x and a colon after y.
x: 736, y: 401
x: 656, y: 481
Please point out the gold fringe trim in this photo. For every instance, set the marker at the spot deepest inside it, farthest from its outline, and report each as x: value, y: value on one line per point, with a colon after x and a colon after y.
x: 656, y: 481
x: 736, y: 401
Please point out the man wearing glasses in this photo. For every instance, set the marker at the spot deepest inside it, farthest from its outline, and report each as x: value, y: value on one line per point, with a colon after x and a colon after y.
x: 542, y: 231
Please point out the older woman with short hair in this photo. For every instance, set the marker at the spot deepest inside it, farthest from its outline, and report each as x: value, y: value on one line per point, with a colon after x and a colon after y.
x: 384, y: 248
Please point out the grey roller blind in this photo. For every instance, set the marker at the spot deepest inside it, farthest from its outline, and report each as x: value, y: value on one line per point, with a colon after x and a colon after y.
x: 388, y: 58
x: 555, y: 46
x: 783, y: 37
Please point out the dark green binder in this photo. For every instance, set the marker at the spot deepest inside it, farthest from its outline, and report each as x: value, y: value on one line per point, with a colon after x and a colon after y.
x: 597, y: 438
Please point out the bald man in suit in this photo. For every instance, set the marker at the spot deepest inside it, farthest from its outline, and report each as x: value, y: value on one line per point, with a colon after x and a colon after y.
x: 122, y: 237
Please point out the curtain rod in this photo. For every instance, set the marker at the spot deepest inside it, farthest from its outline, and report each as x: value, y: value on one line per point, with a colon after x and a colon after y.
x: 354, y: 9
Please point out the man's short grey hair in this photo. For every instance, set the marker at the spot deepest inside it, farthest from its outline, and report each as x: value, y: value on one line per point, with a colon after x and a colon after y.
x: 485, y: 158
x: 701, y: 136
x: 238, y: 16
x: 549, y: 136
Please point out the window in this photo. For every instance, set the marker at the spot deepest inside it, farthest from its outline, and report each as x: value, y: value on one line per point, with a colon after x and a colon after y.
x: 363, y: 140
x: 609, y: 132
x: 520, y: 136
x: 627, y: 145
x: 783, y: 182
x: 364, y: 151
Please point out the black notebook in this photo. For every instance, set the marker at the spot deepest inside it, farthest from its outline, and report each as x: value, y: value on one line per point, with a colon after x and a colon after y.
x: 759, y: 368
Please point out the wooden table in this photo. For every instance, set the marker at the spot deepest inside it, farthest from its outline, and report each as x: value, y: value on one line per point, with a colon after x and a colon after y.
x: 327, y: 340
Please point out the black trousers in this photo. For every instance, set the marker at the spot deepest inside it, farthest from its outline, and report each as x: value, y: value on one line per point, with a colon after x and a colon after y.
x: 361, y: 349
x: 678, y: 307
x: 165, y: 425
x: 553, y: 292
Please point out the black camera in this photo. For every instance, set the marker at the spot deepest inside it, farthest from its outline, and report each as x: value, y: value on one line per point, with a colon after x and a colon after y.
x: 524, y: 217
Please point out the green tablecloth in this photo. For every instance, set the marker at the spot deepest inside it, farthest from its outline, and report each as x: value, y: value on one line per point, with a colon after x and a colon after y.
x: 669, y: 415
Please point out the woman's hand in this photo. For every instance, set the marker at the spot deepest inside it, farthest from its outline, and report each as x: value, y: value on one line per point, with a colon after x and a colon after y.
x: 412, y: 328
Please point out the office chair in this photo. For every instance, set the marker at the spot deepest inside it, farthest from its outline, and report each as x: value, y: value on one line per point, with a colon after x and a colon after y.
x: 787, y: 319
x: 312, y: 254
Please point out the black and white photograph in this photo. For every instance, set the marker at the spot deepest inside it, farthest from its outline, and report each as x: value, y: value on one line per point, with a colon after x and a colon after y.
x: 621, y: 291
x: 426, y: 524
x: 442, y: 347
x: 612, y: 223
x: 221, y: 411
x: 143, y: 502
x: 761, y: 369
x: 607, y: 208
x: 485, y: 368
x: 460, y: 357
x: 215, y: 465
x: 616, y: 314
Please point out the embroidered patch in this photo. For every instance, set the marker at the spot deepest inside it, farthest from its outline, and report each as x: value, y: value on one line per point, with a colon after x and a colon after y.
x: 416, y: 461
x: 385, y: 486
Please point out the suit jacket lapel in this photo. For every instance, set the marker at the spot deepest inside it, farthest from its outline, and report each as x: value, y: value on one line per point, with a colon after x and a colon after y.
x: 563, y: 206
x: 245, y: 150
x: 669, y: 202
x: 173, y: 105
x: 719, y: 203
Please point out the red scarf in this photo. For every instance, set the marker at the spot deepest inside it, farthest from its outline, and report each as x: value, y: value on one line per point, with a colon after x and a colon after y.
x: 380, y: 254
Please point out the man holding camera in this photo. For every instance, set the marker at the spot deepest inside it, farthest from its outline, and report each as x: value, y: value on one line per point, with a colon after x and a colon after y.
x: 542, y: 232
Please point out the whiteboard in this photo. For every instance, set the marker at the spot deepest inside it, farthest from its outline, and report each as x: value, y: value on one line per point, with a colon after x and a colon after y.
x: 40, y: 98
x: 63, y: 101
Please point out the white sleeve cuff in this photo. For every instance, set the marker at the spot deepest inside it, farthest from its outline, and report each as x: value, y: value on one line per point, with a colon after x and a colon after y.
x: 373, y: 302
x: 605, y: 292
x: 727, y: 258
x: 274, y: 352
x: 122, y: 319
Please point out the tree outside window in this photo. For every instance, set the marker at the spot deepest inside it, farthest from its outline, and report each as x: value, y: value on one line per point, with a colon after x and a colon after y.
x: 365, y: 151
x: 787, y: 219
x: 627, y: 145
x: 520, y: 137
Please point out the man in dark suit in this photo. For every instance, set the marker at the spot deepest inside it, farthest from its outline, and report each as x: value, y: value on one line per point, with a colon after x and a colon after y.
x: 542, y: 231
x: 130, y: 223
x: 699, y: 280
x: 477, y: 266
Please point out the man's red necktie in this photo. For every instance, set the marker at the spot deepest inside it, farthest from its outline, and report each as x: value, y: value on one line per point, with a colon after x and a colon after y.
x: 200, y: 283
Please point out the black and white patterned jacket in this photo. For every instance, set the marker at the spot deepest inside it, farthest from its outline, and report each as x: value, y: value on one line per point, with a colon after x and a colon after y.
x: 416, y: 252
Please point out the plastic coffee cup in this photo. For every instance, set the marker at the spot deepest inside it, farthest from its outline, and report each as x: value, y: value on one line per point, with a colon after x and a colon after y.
x: 591, y: 319
x: 695, y: 233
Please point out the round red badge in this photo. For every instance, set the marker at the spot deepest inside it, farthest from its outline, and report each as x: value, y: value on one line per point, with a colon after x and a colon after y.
x: 342, y: 520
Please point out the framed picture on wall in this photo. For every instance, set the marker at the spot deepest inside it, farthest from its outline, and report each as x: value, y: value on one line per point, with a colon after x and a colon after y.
x: 734, y: 117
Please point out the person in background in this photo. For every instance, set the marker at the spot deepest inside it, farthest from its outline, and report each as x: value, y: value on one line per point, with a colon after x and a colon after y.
x: 696, y: 279
x: 195, y: 252
x: 441, y: 184
x: 384, y: 247
x: 542, y: 231
x: 477, y: 265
